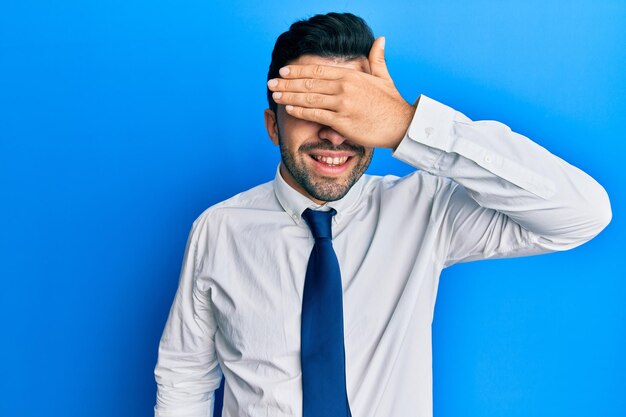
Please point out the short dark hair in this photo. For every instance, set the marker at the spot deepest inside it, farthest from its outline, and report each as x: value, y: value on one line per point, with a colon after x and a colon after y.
x: 332, y: 35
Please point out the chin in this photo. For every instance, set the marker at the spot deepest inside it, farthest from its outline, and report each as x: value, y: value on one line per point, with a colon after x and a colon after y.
x: 329, y: 190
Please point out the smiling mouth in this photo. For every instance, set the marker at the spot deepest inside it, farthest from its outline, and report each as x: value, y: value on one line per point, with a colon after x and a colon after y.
x: 331, y: 161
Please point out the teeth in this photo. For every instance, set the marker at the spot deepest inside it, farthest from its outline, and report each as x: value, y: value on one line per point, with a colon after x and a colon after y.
x: 331, y: 161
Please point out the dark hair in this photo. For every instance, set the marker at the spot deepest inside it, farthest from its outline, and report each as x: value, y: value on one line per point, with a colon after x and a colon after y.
x: 336, y: 35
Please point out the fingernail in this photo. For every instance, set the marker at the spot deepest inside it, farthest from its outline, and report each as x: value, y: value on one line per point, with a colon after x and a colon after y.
x: 382, y: 43
x: 277, y: 95
x: 284, y: 71
x: 272, y: 83
x: 289, y: 107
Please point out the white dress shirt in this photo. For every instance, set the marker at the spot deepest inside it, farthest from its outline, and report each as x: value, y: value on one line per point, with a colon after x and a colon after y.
x: 482, y: 191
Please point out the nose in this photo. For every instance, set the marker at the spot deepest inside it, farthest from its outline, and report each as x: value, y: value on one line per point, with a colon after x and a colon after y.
x: 331, y: 135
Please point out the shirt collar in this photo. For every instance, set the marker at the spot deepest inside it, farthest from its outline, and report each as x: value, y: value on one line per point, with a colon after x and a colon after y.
x: 295, y: 203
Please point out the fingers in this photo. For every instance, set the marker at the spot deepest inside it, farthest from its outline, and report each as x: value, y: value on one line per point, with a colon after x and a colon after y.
x: 377, y: 59
x: 325, y: 72
x: 307, y: 92
x: 309, y: 100
x: 304, y: 85
x: 325, y: 117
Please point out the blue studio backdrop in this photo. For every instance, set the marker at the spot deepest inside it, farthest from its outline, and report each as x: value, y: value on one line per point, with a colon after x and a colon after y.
x: 121, y: 121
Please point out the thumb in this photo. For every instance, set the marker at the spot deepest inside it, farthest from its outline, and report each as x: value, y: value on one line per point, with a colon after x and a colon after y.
x: 377, y: 59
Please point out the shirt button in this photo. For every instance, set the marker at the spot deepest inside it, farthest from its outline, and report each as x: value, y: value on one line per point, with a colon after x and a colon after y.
x: 488, y: 158
x: 429, y: 131
x: 294, y: 216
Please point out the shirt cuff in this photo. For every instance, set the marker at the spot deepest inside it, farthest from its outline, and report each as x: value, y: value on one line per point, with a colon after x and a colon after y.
x: 438, y: 130
x: 428, y: 136
x: 202, y: 410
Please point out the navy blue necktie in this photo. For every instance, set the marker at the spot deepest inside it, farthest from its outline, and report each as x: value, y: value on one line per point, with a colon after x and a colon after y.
x: 322, y: 349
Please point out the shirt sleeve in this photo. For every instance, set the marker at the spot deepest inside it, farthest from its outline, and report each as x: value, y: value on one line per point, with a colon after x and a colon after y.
x: 187, y: 371
x: 509, y: 196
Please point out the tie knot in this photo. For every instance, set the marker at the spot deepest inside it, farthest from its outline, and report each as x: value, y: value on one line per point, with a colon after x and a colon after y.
x: 319, y: 222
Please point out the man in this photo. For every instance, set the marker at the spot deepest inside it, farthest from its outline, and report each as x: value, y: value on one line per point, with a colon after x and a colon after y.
x: 338, y: 322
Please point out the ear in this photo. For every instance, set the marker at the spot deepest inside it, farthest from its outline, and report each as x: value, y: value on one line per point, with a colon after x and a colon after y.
x: 271, y: 125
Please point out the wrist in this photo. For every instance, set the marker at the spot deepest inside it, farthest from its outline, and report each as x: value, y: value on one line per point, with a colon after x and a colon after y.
x: 405, y: 117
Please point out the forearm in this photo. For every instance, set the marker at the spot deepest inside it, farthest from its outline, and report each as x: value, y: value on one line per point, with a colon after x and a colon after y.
x: 186, y: 384
x: 507, y: 172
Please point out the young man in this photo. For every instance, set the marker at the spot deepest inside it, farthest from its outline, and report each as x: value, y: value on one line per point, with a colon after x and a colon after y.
x: 313, y: 294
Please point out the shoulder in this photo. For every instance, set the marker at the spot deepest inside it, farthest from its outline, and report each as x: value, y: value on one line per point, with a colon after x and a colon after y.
x: 418, y: 182
x: 220, y: 223
x: 259, y: 198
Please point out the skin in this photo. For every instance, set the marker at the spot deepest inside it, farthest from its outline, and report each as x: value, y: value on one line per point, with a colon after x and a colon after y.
x: 334, y: 108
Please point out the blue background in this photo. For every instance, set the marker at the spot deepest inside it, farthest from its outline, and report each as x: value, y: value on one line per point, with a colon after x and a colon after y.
x: 121, y: 121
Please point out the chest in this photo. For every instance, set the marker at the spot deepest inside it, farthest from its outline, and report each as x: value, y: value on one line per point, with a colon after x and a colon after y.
x: 257, y: 275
